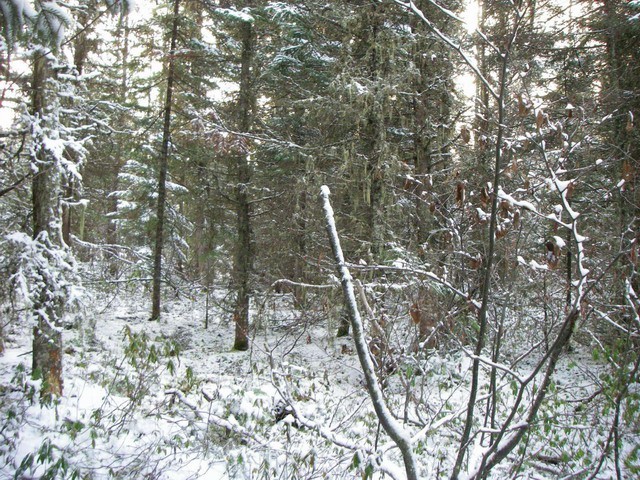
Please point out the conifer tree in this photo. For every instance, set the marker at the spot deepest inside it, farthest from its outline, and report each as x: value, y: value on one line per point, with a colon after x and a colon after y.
x: 163, y: 166
x: 46, y: 264
x: 243, y: 256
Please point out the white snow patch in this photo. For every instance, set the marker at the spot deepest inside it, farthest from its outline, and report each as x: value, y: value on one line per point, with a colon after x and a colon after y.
x: 518, y: 203
x: 559, y: 241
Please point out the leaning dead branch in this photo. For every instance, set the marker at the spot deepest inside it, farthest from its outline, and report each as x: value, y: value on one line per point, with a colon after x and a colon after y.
x: 388, y: 422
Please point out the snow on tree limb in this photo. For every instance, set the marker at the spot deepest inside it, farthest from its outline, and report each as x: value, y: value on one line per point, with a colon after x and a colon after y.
x: 518, y: 203
x: 388, y: 422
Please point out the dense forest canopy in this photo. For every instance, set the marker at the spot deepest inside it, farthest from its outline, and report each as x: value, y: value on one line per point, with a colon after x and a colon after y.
x: 440, y: 195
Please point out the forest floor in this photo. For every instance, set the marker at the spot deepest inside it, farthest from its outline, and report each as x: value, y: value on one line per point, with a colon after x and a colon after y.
x: 171, y: 400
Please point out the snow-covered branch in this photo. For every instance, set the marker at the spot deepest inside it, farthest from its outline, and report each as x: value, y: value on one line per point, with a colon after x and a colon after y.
x: 285, y: 281
x: 388, y: 422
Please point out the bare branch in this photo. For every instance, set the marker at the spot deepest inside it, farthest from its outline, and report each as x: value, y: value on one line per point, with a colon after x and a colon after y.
x: 411, y: 7
x: 14, y: 185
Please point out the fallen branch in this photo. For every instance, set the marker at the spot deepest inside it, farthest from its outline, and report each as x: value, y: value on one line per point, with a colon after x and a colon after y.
x: 284, y: 281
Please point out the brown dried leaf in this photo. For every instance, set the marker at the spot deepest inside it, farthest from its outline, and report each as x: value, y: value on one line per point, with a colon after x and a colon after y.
x: 484, y: 197
x: 516, y: 219
x: 414, y: 312
x: 523, y: 106
x: 628, y: 171
x: 630, y: 124
x: 460, y: 193
x: 476, y: 262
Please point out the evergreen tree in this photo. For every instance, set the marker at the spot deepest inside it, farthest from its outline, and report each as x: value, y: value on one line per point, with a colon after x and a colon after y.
x: 45, y: 264
x: 163, y: 166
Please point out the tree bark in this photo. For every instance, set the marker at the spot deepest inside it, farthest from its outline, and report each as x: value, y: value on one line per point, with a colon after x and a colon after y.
x: 162, y: 170
x: 244, y: 254
x: 490, y: 257
x: 119, y: 157
x: 622, y: 76
x: 81, y: 51
x: 374, y: 132
x: 47, y: 332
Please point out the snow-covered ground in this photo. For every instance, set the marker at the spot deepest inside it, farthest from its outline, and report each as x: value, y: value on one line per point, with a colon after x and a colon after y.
x: 170, y: 400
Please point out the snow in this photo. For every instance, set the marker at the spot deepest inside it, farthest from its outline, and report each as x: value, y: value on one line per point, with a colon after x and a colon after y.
x: 52, y: 21
x: 174, y: 431
x: 208, y: 412
x: 282, y: 8
x: 518, y: 203
x: 241, y: 15
x: 399, y: 435
x: 579, y: 238
x: 482, y: 215
x: 537, y: 266
x: 559, y: 241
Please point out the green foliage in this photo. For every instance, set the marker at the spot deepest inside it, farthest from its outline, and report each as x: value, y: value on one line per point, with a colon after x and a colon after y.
x: 49, y: 462
x: 147, y: 362
x: 25, y: 383
x: 13, y: 16
x: 362, y: 97
x: 190, y: 382
x: 51, y: 23
x: 73, y: 427
x: 632, y: 460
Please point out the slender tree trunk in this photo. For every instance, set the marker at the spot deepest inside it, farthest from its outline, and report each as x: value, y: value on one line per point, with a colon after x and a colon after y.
x: 395, y: 431
x: 486, y: 284
x: 66, y: 212
x: 483, y: 98
x: 375, y: 139
x: 112, y: 229
x: 81, y: 50
x: 162, y: 170
x: 422, y: 144
x: 301, y: 226
x: 46, y: 190
x: 244, y: 254
x: 622, y: 76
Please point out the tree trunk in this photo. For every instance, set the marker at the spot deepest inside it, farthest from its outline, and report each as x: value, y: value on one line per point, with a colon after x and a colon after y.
x: 395, y: 431
x: 81, y: 51
x: 300, y: 238
x: 622, y: 77
x: 489, y: 261
x: 162, y: 171
x: 244, y: 254
x: 374, y: 139
x: 119, y: 156
x: 47, y: 333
